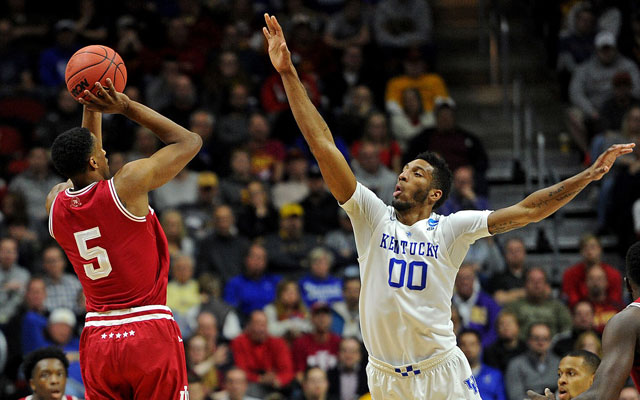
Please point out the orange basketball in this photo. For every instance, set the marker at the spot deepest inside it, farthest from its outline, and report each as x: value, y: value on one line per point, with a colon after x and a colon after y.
x: 93, y: 64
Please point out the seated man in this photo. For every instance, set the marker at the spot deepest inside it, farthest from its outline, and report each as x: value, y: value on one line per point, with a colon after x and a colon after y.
x: 488, y: 380
x: 47, y: 370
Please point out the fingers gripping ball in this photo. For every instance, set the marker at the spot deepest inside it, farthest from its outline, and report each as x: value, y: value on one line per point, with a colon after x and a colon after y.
x: 93, y: 64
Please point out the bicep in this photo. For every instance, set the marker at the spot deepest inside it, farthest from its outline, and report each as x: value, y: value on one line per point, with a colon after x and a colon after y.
x: 336, y: 172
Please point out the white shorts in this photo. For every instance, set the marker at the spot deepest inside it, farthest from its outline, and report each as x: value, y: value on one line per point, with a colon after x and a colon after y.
x: 443, y: 377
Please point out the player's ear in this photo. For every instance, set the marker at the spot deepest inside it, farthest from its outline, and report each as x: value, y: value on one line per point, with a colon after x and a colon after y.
x: 32, y: 384
x: 93, y: 163
x: 435, y: 195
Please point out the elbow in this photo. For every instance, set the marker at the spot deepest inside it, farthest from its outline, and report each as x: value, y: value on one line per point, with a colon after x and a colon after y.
x: 195, y: 142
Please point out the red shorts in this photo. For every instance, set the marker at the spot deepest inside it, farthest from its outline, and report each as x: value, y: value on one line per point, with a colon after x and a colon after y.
x: 136, y: 353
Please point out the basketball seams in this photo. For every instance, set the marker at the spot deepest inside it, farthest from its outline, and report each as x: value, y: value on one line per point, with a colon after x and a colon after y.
x: 114, y: 60
x: 105, y: 70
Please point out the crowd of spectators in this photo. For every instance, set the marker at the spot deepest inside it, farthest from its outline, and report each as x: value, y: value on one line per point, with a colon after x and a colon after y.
x: 264, y: 281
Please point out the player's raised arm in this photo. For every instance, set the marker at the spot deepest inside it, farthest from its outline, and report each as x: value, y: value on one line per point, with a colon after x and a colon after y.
x: 137, y: 178
x: 92, y: 120
x: 334, y: 168
x: 545, y: 202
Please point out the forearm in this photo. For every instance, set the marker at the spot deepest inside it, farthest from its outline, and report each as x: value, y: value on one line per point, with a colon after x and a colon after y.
x: 166, y: 130
x: 92, y: 120
x: 545, y: 202
x: 313, y: 127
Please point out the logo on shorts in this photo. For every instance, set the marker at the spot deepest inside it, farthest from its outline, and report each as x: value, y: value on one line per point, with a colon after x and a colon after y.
x: 471, y: 384
x: 184, y: 394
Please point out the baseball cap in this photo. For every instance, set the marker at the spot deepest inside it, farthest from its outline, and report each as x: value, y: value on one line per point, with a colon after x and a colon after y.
x: 63, y: 315
x: 442, y: 101
x: 291, y: 210
x: 605, y: 38
x: 320, y: 306
x: 207, y: 179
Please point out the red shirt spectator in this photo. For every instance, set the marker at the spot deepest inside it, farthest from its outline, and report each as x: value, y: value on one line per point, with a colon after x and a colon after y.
x: 574, y: 285
x: 265, y: 359
x: 319, y: 348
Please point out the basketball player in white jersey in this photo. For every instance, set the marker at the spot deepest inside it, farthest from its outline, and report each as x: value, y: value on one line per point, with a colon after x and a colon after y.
x: 409, y: 256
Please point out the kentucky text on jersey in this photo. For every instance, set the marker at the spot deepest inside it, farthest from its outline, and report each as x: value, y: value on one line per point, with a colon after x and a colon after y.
x: 408, y: 247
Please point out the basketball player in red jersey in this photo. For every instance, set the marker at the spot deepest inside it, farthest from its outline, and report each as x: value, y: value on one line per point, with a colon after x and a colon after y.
x: 47, y: 371
x: 130, y: 347
x: 620, y: 344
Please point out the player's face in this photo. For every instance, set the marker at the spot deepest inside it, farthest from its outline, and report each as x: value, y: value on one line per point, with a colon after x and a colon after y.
x: 49, y: 379
x: 414, y: 186
x: 573, y: 377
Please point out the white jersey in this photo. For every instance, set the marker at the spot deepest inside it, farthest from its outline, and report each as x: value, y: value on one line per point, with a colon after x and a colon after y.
x: 407, y: 275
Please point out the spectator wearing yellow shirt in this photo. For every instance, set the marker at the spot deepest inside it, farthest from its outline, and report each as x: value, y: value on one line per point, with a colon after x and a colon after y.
x: 183, y: 294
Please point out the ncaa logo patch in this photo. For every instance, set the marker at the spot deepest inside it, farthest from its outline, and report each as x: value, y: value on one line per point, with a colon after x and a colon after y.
x: 431, y: 224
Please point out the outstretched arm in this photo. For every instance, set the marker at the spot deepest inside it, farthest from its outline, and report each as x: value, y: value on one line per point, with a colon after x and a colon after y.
x: 92, y: 120
x: 335, y: 169
x: 545, y: 202
x: 137, y: 178
x: 618, y: 350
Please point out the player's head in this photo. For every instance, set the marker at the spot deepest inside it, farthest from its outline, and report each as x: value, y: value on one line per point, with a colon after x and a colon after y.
x: 424, y: 181
x: 47, y: 370
x: 633, y: 265
x: 77, y: 152
x: 575, y: 373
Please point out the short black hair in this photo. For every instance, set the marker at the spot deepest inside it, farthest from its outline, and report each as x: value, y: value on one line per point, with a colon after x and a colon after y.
x: 470, y: 331
x: 442, y: 176
x: 590, y: 359
x: 71, y: 150
x: 36, y: 356
x: 633, y: 263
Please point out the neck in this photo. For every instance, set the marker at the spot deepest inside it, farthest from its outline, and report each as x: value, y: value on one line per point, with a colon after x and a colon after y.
x: 83, y: 181
x: 414, y: 214
x: 511, y: 343
x: 321, y: 336
x: 591, y: 263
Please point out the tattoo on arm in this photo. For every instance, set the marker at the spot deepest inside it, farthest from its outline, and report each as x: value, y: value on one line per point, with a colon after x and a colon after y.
x: 503, y: 227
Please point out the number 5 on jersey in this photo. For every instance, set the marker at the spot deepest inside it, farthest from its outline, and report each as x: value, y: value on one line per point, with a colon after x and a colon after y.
x: 104, y: 265
x: 417, y: 279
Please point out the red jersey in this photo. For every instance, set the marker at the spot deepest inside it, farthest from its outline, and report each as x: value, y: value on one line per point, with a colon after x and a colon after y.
x: 122, y: 260
x: 635, y: 369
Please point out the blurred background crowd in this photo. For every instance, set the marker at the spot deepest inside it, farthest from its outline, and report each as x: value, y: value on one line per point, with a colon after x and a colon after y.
x: 264, y: 280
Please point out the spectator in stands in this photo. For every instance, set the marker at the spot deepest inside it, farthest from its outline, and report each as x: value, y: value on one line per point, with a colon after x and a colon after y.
x: 287, y: 316
x: 319, y: 285
x: 320, y: 208
x: 574, y: 285
x: 315, y: 385
x: 158, y: 89
x: 616, y: 106
x: 411, y: 118
x: 65, y: 114
x: 342, y: 242
x: 47, y: 370
x: 629, y: 42
x: 376, y: 132
x: 575, y: 44
x: 63, y: 289
x: 233, y: 186
x: 351, y: 74
x: 254, y: 288
x: 235, y: 386
x: 597, y: 288
x: 589, y: 341
x: 591, y: 86
x: 197, y: 216
x: 14, y: 62
x: 202, y: 122
x: 351, y: 120
x: 537, y: 368
x: 629, y: 393
x: 181, y: 190
x: 184, y: 100
x: 53, y: 60
x: 34, y: 183
x: 489, y: 380
x: 346, y: 313
x: 456, y: 145
x: 27, y: 239
x: 348, y: 380
x: 289, y: 247
x: 228, y: 323
x: 207, y: 327
x: 234, y: 125
x: 508, y: 345
x: 176, y: 233
x: 319, y: 348
x: 257, y: 217
x: 202, y: 363
x: 399, y: 24
x: 223, y: 74
x: 179, y: 45
x: 463, y: 195
x: 477, y: 309
x: 222, y: 252
x: 13, y: 279
x: 183, y: 293
x: 294, y: 187
x: 370, y: 171
x: 265, y: 359
x: 582, y: 322
x: 145, y: 144
x: 508, y: 286
x: 267, y: 154
x: 430, y: 85
x: 348, y: 27
x: 539, y: 306
x: 576, y: 372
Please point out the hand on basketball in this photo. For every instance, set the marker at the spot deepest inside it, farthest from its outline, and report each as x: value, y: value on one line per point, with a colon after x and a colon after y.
x: 108, y: 101
x: 548, y: 395
x: 278, y: 51
x: 604, y: 163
